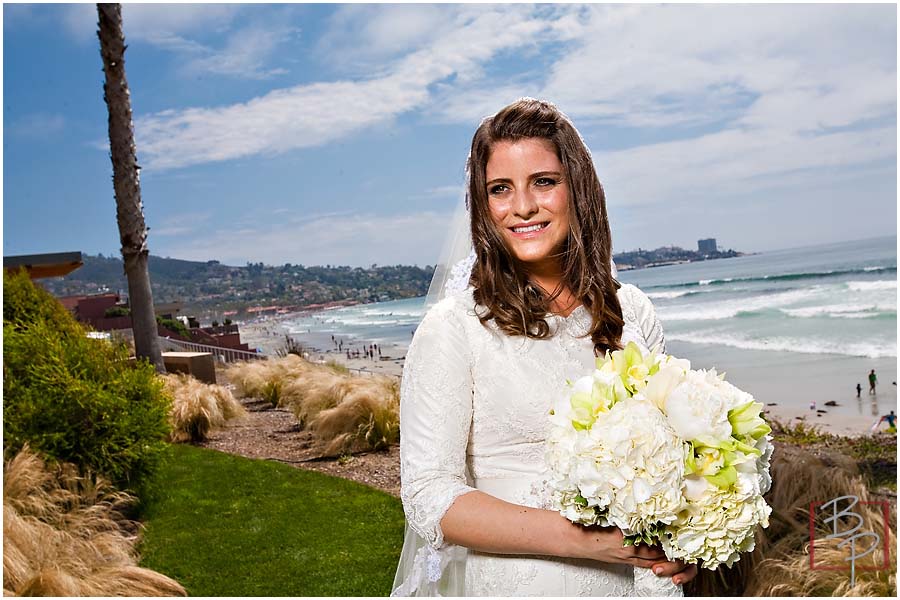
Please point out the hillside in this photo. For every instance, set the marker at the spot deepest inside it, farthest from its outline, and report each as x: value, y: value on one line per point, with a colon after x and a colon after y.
x: 207, y: 287
x: 211, y: 286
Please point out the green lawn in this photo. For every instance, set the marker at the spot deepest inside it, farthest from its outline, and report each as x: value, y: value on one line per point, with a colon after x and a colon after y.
x: 223, y: 525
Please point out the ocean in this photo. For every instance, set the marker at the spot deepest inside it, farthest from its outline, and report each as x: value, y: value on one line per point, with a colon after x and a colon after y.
x: 794, y: 326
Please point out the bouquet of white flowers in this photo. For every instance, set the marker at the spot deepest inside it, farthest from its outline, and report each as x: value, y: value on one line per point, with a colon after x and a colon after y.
x: 669, y: 455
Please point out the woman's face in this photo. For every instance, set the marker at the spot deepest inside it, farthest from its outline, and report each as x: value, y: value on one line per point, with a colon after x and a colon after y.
x: 529, y: 201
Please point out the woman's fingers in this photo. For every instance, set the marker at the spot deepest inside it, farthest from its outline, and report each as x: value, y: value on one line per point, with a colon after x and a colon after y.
x: 648, y: 553
x: 667, y: 568
x: 645, y: 556
x: 689, y: 572
x: 646, y: 563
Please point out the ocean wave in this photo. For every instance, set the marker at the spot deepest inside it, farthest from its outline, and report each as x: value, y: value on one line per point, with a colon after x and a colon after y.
x: 843, y: 311
x: 869, y: 286
x: 363, y: 322
x: 667, y: 295
x: 779, y: 277
x: 805, y: 346
x: 754, y: 305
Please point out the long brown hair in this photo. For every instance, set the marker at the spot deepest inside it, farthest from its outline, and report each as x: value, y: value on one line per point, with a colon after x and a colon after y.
x: 500, y: 282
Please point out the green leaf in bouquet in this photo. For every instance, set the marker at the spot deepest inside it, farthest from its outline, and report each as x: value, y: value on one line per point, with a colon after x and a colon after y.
x: 724, y: 479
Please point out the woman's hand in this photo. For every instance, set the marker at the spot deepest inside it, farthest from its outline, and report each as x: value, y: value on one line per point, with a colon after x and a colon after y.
x: 606, y: 544
x: 677, y: 570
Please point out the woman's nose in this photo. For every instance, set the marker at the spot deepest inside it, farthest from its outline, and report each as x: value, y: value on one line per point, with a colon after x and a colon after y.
x: 524, y: 205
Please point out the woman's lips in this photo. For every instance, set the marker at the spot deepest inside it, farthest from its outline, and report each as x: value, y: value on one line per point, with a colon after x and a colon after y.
x: 529, y: 230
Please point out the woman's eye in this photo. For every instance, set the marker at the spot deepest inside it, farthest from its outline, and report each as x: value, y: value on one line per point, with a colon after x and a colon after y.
x: 497, y: 189
x: 544, y: 181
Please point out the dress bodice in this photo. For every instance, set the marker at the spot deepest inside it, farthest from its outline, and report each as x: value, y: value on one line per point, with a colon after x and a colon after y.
x: 474, y: 415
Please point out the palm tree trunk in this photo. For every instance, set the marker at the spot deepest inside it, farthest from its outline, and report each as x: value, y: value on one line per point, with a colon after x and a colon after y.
x: 126, y: 181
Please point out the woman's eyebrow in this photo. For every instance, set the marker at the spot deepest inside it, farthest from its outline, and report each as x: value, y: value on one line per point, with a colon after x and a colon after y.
x: 533, y: 175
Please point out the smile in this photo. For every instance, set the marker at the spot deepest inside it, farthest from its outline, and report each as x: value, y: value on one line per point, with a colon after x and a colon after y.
x: 529, y: 228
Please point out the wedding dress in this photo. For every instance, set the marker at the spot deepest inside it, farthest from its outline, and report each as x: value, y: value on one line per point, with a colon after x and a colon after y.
x: 474, y: 405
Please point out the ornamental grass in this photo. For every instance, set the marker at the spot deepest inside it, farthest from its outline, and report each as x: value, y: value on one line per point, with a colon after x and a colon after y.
x: 265, y: 378
x: 780, y: 563
x: 366, y: 416
x: 198, y: 408
x: 66, y: 535
x: 347, y: 413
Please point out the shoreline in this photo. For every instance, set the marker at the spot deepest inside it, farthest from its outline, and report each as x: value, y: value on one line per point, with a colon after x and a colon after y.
x: 270, y: 337
x: 781, y: 402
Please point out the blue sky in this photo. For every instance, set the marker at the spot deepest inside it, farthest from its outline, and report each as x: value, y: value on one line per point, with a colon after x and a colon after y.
x: 337, y: 134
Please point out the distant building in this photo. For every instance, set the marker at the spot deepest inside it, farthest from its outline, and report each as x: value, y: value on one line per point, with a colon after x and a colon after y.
x: 707, y: 246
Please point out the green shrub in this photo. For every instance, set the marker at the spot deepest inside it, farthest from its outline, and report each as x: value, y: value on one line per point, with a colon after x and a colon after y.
x: 337, y: 367
x: 174, y: 325
x: 25, y: 303
x: 271, y: 392
x: 117, y: 311
x: 73, y: 398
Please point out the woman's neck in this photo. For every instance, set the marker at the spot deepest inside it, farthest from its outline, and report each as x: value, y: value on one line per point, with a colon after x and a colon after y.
x: 564, y: 302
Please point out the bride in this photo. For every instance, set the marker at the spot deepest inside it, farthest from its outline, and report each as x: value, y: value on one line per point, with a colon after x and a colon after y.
x: 488, y: 360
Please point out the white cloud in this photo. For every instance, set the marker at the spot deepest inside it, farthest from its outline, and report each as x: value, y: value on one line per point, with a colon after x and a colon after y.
x: 732, y: 161
x: 246, y: 54
x: 310, y: 115
x: 80, y: 21
x: 145, y: 21
x: 181, y: 224
x: 446, y: 191
x: 746, y: 96
x: 796, y: 93
x: 350, y: 239
x: 37, y: 126
x: 149, y: 22
x: 360, y: 36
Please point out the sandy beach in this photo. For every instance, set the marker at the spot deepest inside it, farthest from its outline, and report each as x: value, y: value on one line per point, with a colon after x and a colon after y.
x: 851, y: 416
x: 269, y: 336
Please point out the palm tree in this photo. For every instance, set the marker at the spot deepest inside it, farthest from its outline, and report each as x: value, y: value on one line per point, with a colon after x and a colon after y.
x: 127, y: 185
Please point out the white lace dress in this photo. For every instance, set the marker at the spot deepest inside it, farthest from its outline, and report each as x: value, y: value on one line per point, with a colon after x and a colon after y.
x: 473, y: 415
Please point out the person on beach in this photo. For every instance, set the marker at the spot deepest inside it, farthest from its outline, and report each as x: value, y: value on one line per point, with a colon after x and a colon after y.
x: 858, y: 390
x: 872, y: 380
x: 890, y: 418
x: 538, y: 306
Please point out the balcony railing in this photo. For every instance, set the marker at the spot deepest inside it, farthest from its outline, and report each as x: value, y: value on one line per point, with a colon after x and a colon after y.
x: 225, y: 354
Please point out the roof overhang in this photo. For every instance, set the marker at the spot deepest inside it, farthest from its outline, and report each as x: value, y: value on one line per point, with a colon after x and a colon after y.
x: 44, y: 265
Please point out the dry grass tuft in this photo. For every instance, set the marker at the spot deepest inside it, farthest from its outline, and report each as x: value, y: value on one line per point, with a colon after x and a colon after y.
x: 198, y: 407
x: 266, y: 378
x: 367, y: 415
x: 780, y: 565
x: 66, y: 535
x: 348, y: 413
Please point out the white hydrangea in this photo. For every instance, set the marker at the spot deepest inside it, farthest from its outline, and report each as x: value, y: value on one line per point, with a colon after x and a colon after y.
x: 626, y: 470
x: 718, y: 525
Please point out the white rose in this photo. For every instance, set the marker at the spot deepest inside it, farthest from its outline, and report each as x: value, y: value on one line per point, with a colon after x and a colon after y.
x: 698, y: 410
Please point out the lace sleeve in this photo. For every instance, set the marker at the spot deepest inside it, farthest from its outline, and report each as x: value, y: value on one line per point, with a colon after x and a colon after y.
x: 435, y: 419
x: 645, y: 314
